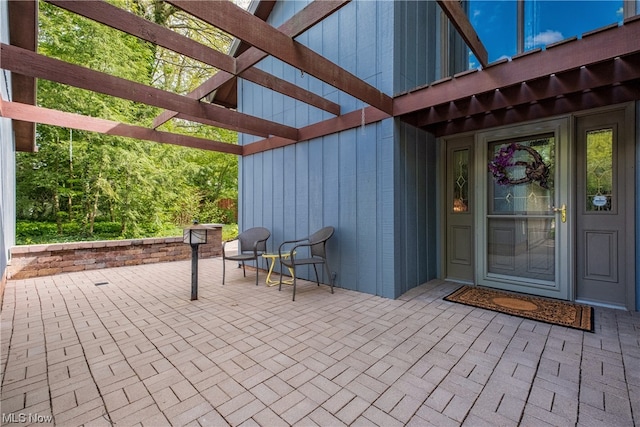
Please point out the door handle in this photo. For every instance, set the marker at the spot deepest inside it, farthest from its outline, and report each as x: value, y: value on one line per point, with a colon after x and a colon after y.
x: 563, y: 212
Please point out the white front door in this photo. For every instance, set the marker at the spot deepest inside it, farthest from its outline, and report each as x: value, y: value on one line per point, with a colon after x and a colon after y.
x: 523, y: 176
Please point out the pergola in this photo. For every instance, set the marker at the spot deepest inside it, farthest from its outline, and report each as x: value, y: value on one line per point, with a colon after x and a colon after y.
x: 600, y: 68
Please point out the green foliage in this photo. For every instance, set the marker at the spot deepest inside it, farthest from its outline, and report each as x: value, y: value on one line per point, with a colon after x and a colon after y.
x: 37, y: 232
x: 82, y: 185
x: 229, y: 231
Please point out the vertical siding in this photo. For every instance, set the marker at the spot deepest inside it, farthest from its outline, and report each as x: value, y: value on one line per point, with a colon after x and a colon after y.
x: 7, y: 190
x: 415, y: 44
x: 371, y: 183
x: 366, y: 203
x: 637, y: 127
x: 416, y: 207
x: 7, y: 163
x: 347, y: 205
x: 415, y: 201
x: 329, y: 180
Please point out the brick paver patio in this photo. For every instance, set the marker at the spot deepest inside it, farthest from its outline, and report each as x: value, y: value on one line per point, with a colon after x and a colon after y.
x: 137, y: 351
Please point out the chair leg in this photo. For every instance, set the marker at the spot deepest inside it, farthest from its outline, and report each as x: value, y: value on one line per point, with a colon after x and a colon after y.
x: 294, y: 287
x: 317, y: 278
x: 223, y: 271
x: 244, y: 272
x: 326, y: 266
x: 256, y: 272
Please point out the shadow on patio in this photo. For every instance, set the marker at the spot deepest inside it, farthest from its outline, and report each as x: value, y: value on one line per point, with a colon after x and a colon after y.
x: 136, y: 351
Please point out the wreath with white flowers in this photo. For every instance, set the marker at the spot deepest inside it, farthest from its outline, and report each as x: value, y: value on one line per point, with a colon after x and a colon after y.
x: 535, y: 171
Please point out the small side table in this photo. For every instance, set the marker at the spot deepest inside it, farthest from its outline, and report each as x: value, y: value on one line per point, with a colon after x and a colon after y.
x: 274, y: 258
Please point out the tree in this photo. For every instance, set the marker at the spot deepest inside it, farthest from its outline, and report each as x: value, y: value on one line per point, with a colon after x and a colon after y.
x: 87, y: 177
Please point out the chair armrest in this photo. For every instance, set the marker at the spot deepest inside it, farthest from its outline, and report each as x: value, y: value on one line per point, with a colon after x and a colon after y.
x: 227, y: 241
x: 255, y: 246
x: 288, y: 242
x: 292, y: 252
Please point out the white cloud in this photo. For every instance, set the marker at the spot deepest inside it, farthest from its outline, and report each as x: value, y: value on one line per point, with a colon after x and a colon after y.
x: 544, y: 38
x: 242, y: 3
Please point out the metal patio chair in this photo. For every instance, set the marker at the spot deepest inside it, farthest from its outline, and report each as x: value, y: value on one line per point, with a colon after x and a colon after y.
x: 252, y: 243
x: 317, y: 254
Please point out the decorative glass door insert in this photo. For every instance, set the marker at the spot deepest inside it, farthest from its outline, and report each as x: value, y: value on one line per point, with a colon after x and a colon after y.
x: 521, y: 222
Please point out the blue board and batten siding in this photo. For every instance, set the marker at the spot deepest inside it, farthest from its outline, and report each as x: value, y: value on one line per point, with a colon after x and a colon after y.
x: 373, y: 183
x: 7, y: 161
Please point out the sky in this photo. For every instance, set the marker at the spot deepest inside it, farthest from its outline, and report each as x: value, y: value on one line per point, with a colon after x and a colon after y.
x: 546, y: 22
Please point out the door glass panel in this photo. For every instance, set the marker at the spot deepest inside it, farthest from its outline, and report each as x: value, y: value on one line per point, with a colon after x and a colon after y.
x: 521, y: 222
x: 599, y: 170
x: 461, y: 181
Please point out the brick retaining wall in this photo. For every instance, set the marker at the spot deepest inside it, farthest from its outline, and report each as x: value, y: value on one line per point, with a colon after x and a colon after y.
x: 45, y: 260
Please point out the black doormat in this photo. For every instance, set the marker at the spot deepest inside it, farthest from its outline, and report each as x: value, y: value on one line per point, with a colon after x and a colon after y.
x: 556, y: 312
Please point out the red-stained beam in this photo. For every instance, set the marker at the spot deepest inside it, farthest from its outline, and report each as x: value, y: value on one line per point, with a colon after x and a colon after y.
x: 33, y: 114
x: 597, y: 47
x: 215, y: 124
x: 34, y: 65
x: 460, y: 21
x: 234, y: 20
x: 23, y: 32
x: 577, y: 80
x: 284, y: 87
x: 338, y: 124
x: 303, y: 20
x: 112, y: 16
x: 550, y: 107
x: 122, y: 20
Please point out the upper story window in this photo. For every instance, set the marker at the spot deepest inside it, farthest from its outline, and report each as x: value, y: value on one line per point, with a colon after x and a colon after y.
x: 509, y: 27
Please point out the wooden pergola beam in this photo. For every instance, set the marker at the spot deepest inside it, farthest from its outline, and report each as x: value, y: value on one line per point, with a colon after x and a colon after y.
x: 554, y: 106
x: 32, y: 64
x: 215, y: 123
x: 608, y: 62
x: 562, y: 57
x: 347, y: 121
x: 300, y: 22
x: 602, y: 74
x: 234, y: 20
x: 460, y: 21
x: 127, y: 22
x: 284, y: 87
x: 114, y: 17
x: 23, y: 88
x: 33, y: 114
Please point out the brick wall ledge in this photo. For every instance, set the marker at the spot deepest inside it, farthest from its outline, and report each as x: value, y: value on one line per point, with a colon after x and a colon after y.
x: 25, y: 249
x: 56, y: 258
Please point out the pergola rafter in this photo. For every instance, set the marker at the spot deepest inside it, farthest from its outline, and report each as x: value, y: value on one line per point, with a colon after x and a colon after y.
x: 240, y: 23
x: 599, y: 68
x: 48, y: 116
x: 300, y: 22
x: 31, y: 64
x: 602, y: 60
x: 459, y: 20
x: 130, y: 23
x: 24, y: 87
x: 114, y: 17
